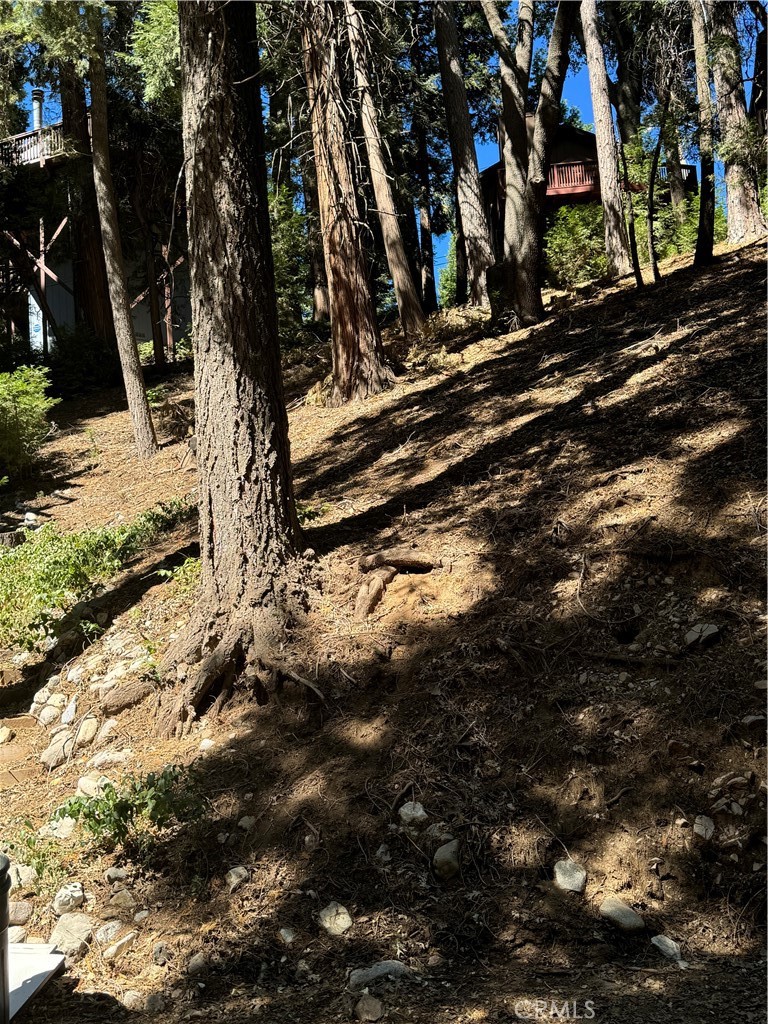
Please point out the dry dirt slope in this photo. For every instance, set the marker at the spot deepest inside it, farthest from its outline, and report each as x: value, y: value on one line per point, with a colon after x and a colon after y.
x: 593, y: 489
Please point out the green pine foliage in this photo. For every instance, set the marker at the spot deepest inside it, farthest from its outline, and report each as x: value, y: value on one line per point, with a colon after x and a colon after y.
x: 446, y: 286
x: 24, y: 407
x: 574, y: 245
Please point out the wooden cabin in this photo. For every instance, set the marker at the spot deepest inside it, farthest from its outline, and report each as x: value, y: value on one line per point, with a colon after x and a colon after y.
x: 573, y: 177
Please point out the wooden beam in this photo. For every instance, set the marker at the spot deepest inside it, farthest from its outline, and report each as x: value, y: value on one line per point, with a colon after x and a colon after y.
x: 56, y: 233
x: 165, y: 273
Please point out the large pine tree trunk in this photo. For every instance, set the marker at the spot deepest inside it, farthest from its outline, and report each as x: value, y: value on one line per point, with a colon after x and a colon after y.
x: 89, y: 272
x: 408, y: 304
x: 616, y: 241
x: 249, y: 533
x: 705, y: 238
x: 138, y: 406
x: 359, y: 369
x: 745, y: 219
x: 477, y: 237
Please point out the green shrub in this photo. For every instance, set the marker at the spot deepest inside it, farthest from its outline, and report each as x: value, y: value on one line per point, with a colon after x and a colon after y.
x: 574, y: 245
x: 132, y: 814
x: 24, y: 408
x: 40, y: 579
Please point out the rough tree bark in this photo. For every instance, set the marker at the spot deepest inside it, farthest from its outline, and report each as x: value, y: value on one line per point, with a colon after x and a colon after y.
x: 359, y: 368
x: 408, y: 304
x: 138, y: 406
x: 705, y: 238
x: 88, y: 269
x: 745, y: 218
x: 477, y: 236
x: 252, y: 574
x: 616, y: 240
x: 426, y: 246
x: 526, y: 186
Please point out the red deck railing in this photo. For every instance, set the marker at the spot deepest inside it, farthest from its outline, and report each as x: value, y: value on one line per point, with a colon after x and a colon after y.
x: 579, y: 176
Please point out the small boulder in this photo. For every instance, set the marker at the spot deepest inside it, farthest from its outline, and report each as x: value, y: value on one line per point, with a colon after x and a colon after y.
x: 287, y: 936
x: 197, y: 964
x: 335, y: 919
x: 446, y: 861
x: 133, y: 1000
x: 58, y: 701
x: 17, y: 934
x: 413, y: 813
x: 703, y: 634
x: 68, y: 898
x: 118, y: 948
x: 236, y: 877
x: 90, y: 786
x: 6, y: 734
x: 71, y: 936
x: 107, y: 731
x: 24, y: 878
x: 108, y: 932
x: 48, y: 716
x: 369, y: 1008
x: 704, y: 827
x: 59, y: 828
x: 122, y: 905
x: 246, y: 823
x: 570, y: 876
x: 624, y: 917
x: 86, y: 734
x: 19, y: 912
x: 666, y: 946
x: 59, y: 749
x: 365, y: 976
x: 70, y: 712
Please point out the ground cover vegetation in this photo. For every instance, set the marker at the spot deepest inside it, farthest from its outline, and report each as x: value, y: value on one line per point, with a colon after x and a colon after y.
x: 382, y: 622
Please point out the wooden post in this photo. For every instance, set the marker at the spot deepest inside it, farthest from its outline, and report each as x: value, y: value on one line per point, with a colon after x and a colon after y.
x: 42, y: 288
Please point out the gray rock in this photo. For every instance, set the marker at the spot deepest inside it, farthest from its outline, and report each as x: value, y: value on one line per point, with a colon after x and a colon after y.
x: 335, y: 919
x: 19, y: 912
x: 701, y: 635
x: 41, y: 697
x: 246, y: 823
x: 59, y: 749
x: 704, y: 826
x: 108, y: 932
x: 364, y: 976
x: 75, y: 674
x: 236, y: 877
x: 71, y: 936
x: 162, y: 953
x: 115, y: 875
x: 58, y: 701
x: 122, y: 905
x: 666, y: 946
x: 24, y: 878
x: 70, y: 712
x: 110, y: 758
x: 413, y: 814
x: 154, y: 1003
x: 133, y: 1000
x: 118, y: 948
x: 287, y: 936
x: 206, y: 744
x: 86, y: 734
x: 383, y: 855
x: 6, y: 734
x: 369, y: 1008
x: 68, y: 898
x: 59, y: 828
x: 570, y: 876
x: 107, y: 731
x: 618, y: 913
x: 17, y: 934
x: 141, y: 916
x: 48, y: 716
x: 197, y: 964
x: 446, y: 862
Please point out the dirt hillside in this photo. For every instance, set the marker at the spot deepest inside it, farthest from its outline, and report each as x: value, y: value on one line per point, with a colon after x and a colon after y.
x: 579, y: 676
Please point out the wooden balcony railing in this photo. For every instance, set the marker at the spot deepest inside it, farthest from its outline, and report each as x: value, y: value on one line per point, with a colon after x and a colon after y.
x: 573, y: 178
x: 33, y: 147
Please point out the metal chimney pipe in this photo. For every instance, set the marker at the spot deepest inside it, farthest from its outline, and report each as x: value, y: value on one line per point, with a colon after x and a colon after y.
x: 37, y: 109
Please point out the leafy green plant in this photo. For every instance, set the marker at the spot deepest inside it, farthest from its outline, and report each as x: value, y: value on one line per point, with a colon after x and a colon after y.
x: 40, y: 579
x: 186, y: 576
x: 143, y: 805
x: 574, y: 245
x: 157, y: 395
x: 43, y: 854
x: 24, y: 407
x: 307, y: 511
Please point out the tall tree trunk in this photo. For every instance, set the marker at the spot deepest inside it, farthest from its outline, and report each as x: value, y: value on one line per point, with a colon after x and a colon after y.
x: 138, y: 406
x: 477, y: 237
x: 249, y: 532
x: 321, y: 303
x: 651, y: 191
x: 616, y: 241
x: 745, y: 218
x: 359, y: 369
x: 462, y: 270
x: 89, y: 272
x: 705, y: 238
x: 630, y: 208
x: 426, y: 246
x: 158, y: 345
x: 411, y: 315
